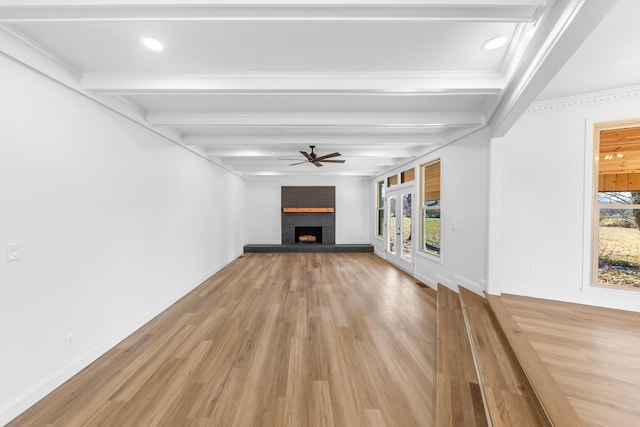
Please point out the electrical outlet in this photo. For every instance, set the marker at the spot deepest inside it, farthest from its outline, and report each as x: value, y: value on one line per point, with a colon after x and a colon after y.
x: 68, y: 342
x: 535, y: 271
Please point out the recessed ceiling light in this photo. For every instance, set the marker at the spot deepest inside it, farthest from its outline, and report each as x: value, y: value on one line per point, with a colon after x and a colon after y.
x: 495, y: 43
x: 153, y: 44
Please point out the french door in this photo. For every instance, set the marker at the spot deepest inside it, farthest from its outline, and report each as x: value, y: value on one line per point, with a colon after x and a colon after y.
x: 399, y: 241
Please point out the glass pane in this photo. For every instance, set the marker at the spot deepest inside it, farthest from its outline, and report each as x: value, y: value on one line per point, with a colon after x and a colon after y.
x: 619, y: 197
x: 380, y: 222
x: 619, y: 247
x: 406, y: 226
x: 432, y: 231
x: 380, y: 194
x: 392, y: 225
x: 431, y: 181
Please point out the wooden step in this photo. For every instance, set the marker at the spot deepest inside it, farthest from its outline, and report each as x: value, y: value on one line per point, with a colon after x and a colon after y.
x: 458, y: 395
x: 553, y: 400
x: 509, y: 398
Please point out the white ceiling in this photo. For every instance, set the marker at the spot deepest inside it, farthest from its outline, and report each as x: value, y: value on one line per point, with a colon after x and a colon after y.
x: 608, y: 59
x: 248, y: 83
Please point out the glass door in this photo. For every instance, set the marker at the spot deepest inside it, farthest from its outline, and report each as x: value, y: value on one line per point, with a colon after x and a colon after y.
x: 400, y: 229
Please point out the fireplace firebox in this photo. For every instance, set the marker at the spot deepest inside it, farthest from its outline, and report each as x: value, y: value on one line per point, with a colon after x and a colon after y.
x: 308, y: 234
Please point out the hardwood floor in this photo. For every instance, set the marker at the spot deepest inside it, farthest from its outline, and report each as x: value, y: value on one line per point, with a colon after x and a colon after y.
x: 592, y: 353
x: 271, y: 340
x: 553, y: 399
x: 458, y: 397
x: 509, y: 399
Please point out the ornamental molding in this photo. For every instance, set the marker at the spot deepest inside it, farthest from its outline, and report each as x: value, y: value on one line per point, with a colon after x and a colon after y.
x: 591, y: 98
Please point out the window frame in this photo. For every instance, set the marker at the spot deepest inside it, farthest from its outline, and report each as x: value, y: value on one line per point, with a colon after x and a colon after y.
x: 423, y: 210
x: 380, y: 220
x: 592, y: 281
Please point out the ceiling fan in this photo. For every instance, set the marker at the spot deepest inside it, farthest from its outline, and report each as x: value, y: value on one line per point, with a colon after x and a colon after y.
x: 318, y: 160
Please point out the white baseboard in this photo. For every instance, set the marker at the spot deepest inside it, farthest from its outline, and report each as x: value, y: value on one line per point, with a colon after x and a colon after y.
x: 31, y: 396
x: 469, y: 284
x: 427, y: 280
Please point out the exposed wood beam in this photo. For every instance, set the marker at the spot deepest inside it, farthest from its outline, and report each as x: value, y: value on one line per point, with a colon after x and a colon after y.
x: 228, y: 10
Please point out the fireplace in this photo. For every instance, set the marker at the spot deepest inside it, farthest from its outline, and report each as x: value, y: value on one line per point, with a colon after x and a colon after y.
x: 308, y: 234
x: 310, y: 212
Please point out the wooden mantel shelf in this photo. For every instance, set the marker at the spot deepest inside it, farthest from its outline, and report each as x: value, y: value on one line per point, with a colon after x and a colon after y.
x: 307, y: 209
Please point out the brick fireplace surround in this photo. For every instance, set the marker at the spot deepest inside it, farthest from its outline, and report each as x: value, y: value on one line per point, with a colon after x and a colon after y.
x: 308, y: 197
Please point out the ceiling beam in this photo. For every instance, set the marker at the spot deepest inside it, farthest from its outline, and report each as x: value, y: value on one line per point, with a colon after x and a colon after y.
x: 256, y: 141
x: 559, y: 34
x: 270, y: 154
x: 413, y: 120
x: 12, y: 11
x: 453, y: 83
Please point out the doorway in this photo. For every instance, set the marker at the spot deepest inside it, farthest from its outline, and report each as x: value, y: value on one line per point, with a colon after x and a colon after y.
x: 399, y: 240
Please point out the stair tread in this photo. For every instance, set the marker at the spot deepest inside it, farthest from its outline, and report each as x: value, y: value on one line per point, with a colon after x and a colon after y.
x: 554, y: 401
x: 509, y: 397
x: 459, y: 400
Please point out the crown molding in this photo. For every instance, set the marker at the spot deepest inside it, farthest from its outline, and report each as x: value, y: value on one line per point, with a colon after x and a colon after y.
x: 598, y: 97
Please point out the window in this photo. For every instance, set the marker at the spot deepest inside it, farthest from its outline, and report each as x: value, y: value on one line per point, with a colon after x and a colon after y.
x: 392, y: 180
x: 430, y: 174
x: 408, y: 175
x: 617, y: 206
x: 380, y: 208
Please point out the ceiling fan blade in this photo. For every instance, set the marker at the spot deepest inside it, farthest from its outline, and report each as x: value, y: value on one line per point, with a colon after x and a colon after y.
x: 288, y: 158
x: 331, y: 161
x: 327, y: 156
x: 299, y: 163
x: 304, y: 153
x: 316, y: 163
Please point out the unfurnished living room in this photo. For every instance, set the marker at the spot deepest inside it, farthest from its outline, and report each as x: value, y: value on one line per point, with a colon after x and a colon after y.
x: 320, y: 213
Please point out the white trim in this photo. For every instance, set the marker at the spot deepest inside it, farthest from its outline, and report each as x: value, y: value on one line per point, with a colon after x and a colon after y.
x: 446, y: 282
x: 469, y: 284
x: 494, y: 221
x: 29, y: 397
x: 284, y: 10
x: 427, y: 280
x: 591, y: 210
x: 598, y: 97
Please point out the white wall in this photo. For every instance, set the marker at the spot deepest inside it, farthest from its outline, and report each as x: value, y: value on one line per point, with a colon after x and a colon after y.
x: 115, y: 222
x: 465, y: 195
x: 264, y: 207
x: 543, y: 199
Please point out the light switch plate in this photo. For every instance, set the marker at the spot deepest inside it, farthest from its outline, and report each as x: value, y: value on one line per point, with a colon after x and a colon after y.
x: 13, y: 251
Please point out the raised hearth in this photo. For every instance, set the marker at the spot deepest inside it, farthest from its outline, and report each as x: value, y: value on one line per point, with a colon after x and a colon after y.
x: 308, y: 248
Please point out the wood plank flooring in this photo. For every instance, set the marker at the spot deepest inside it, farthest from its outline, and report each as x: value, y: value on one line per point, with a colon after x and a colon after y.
x: 550, y: 395
x: 271, y: 340
x: 509, y: 398
x: 593, y: 354
x: 458, y: 397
